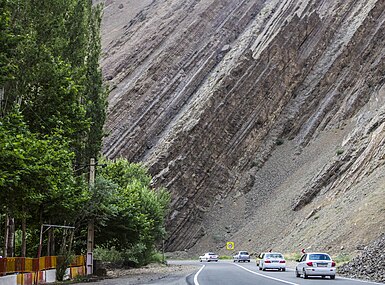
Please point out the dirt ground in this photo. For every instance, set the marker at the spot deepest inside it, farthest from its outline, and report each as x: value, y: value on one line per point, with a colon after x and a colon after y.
x: 147, y: 274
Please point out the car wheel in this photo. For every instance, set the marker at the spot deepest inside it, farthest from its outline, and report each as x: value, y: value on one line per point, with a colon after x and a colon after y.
x: 248, y: 260
x: 283, y: 269
x: 260, y: 268
x: 304, y: 274
x: 297, y: 273
x: 263, y: 269
x: 332, y: 277
x: 200, y: 260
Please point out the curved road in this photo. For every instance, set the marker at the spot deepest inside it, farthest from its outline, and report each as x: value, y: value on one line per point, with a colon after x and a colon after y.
x: 229, y: 273
x: 226, y: 273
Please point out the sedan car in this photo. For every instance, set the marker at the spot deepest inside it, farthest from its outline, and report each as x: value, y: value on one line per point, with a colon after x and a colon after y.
x: 208, y: 256
x: 241, y: 256
x: 272, y: 260
x: 316, y: 264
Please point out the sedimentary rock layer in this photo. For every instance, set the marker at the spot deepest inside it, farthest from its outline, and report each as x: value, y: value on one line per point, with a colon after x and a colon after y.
x: 204, y: 92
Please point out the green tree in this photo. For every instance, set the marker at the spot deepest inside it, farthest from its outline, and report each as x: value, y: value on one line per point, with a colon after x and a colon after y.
x: 138, y: 224
x: 36, y: 177
x: 8, y: 41
x: 56, y: 78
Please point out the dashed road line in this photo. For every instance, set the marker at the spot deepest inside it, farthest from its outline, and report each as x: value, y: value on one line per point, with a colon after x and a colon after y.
x: 265, y: 276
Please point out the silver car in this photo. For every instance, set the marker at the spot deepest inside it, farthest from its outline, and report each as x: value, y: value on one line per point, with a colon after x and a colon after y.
x: 241, y: 256
x: 272, y: 260
x: 316, y: 264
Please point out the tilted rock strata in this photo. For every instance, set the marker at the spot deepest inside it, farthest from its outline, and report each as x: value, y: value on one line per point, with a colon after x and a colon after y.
x: 205, y: 91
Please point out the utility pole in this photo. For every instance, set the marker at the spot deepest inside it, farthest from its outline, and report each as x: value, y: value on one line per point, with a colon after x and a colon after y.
x: 91, y: 226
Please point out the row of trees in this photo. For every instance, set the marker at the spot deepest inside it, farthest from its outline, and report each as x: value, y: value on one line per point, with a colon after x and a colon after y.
x: 52, y: 110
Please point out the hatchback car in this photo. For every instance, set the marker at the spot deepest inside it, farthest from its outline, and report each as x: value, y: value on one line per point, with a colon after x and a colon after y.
x: 316, y: 264
x: 208, y: 256
x: 272, y: 260
x: 241, y: 256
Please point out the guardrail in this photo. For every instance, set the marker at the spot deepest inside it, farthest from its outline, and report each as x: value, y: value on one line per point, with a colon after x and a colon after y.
x: 25, y: 265
x: 33, y: 270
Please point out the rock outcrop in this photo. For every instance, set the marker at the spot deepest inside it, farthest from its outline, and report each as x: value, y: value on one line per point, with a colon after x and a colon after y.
x: 369, y: 264
x: 265, y: 119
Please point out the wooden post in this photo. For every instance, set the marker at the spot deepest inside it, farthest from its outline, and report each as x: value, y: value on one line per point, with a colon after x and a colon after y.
x: 40, y: 241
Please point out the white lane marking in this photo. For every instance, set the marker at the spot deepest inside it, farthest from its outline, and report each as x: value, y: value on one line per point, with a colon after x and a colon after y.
x: 196, y: 275
x: 358, y: 280
x: 262, y: 275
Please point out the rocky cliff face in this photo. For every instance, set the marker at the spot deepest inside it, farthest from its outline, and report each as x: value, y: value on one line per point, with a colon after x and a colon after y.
x: 265, y: 119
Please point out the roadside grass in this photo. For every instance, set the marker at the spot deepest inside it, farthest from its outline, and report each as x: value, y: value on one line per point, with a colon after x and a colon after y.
x: 342, y: 259
x: 292, y: 256
x: 225, y: 257
x: 338, y: 259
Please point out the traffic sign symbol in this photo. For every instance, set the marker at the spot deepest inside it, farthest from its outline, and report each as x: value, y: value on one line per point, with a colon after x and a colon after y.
x: 230, y: 245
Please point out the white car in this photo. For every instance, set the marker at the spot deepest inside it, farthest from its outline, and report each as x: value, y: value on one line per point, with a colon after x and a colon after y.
x: 241, y: 256
x: 208, y: 256
x: 272, y: 260
x: 316, y: 264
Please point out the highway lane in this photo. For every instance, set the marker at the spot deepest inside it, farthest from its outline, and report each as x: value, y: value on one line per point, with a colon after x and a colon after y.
x: 227, y: 272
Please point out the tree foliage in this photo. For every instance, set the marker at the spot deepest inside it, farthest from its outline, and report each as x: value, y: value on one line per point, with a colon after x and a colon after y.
x: 138, y: 224
x: 52, y: 111
x: 56, y: 80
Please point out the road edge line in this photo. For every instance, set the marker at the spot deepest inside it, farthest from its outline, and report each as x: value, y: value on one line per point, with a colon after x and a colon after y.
x: 196, y: 275
x: 268, y: 277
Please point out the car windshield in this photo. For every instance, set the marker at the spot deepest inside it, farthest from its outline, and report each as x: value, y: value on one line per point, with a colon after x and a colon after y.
x: 274, y: 255
x: 319, y: 257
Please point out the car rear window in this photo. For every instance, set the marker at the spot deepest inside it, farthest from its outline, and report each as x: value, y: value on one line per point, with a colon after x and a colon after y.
x: 274, y: 255
x: 244, y: 253
x: 210, y: 253
x: 319, y: 257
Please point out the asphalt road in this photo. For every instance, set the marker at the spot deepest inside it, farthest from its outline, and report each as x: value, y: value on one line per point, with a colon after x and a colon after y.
x: 227, y: 272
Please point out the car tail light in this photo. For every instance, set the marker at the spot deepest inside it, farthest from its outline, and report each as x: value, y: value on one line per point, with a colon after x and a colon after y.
x: 309, y: 263
x: 267, y: 261
x: 333, y: 264
x: 282, y: 261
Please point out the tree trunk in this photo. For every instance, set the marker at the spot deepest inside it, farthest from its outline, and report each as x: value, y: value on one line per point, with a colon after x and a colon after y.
x: 11, y: 238
x: 24, y: 237
x: 71, y: 240
x: 63, y: 250
x: 53, y: 247
x: 6, y: 233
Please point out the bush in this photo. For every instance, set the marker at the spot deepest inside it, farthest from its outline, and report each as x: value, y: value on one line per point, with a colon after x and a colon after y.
x: 110, y: 255
x: 342, y: 259
x: 293, y: 256
x: 158, y: 257
x: 279, y: 142
x: 137, y: 256
x: 339, y: 151
x: 62, y: 263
